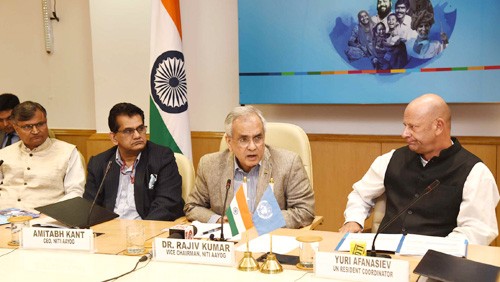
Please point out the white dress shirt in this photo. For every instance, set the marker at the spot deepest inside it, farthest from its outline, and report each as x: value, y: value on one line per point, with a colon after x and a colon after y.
x: 476, y: 220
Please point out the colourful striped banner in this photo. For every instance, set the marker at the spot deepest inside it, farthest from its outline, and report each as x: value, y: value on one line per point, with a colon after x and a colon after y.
x: 339, y: 72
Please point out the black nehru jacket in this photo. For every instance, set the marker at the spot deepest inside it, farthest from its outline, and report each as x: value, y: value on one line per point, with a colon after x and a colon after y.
x: 406, y: 178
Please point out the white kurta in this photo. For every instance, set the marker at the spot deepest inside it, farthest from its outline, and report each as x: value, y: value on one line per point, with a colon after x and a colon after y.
x: 49, y: 173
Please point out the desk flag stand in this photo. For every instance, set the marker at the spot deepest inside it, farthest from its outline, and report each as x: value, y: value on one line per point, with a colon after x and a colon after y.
x: 271, y: 265
x: 248, y: 263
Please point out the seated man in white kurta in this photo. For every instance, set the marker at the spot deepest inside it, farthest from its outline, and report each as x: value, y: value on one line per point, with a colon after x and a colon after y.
x: 38, y: 170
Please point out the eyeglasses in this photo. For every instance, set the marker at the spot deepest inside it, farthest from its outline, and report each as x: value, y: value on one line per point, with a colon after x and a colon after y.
x: 130, y: 131
x: 29, y: 127
x: 245, y: 141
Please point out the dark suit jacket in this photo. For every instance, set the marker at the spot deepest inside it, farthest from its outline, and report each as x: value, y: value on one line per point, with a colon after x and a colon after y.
x: 162, y: 201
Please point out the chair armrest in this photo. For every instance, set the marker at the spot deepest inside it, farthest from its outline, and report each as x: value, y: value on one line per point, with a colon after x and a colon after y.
x: 317, y: 221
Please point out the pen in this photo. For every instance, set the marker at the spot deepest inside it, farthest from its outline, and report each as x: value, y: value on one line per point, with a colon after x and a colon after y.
x: 211, y: 231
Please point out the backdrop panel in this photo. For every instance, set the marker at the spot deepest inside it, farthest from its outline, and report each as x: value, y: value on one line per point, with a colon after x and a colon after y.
x: 323, y: 51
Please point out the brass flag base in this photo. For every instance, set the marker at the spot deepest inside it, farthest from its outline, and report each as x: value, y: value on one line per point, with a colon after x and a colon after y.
x: 271, y: 265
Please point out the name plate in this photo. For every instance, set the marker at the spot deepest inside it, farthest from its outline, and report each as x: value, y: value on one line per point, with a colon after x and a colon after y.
x: 360, y: 268
x: 194, y: 251
x: 53, y: 238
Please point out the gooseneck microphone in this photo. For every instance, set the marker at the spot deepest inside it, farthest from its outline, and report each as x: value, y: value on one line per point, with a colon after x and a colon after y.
x: 428, y: 189
x: 98, y: 191
x: 212, y: 237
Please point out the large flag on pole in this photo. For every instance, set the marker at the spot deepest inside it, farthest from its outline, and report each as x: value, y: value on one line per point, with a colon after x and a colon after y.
x: 169, y: 119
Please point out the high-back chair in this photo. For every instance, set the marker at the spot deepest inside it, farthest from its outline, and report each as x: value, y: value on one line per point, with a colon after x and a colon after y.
x: 186, y: 170
x: 293, y: 138
x: 290, y: 137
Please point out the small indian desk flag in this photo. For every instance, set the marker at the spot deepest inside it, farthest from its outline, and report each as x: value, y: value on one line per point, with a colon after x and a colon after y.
x: 267, y: 216
x: 169, y: 117
x: 238, y: 214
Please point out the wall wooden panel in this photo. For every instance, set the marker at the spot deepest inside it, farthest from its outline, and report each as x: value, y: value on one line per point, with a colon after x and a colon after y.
x: 337, y: 165
x: 75, y: 136
x: 98, y: 143
x: 338, y: 160
x: 204, y: 143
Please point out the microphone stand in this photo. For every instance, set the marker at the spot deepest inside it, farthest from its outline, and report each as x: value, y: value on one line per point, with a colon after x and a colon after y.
x: 98, y: 191
x: 428, y: 189
x: 228, y: 186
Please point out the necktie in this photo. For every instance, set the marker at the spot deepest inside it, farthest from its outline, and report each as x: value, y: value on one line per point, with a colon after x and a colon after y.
x: 9, y: 139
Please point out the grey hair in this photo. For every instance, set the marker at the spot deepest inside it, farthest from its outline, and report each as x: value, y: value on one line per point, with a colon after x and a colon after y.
x: 239, y: 112
x: 26, y: 111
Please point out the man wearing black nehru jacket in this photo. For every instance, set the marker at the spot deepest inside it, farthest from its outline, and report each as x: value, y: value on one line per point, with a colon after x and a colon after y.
x: 464, y: 203
x: 143, y: 181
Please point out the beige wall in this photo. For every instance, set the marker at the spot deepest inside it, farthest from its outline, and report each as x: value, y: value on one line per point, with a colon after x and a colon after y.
x: 63, y: 81
x: 120, y: 46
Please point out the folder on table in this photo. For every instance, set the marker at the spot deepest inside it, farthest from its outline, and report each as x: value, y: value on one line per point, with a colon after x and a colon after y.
x: 74, y: 213
x: 443, y: 267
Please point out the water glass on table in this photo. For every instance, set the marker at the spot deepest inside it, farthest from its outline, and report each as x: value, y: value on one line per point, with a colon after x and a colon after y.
x: 136, y: 239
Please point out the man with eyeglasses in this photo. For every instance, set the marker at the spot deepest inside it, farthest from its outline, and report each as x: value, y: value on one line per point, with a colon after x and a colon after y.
x: 143, y: 181
x: 38, y: 170
x: 7, y: 133
x: 249, y: 157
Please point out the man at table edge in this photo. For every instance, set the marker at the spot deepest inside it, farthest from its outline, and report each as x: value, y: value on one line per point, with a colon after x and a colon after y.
x: 463, y: 205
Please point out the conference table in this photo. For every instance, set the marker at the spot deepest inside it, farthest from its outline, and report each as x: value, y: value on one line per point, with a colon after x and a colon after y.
x: 108, y: 260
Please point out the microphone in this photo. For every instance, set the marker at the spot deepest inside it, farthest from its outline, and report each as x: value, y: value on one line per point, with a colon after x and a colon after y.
x: 98, y: 191
x: 228, y: 185
x: 428, y: 189
x: 182, y: 232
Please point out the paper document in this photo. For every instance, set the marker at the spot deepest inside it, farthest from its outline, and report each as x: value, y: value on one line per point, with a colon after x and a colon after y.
x: 6, y: 213
x: 419, y: 244
x: 47, y: 221
x: 281, y: 244
x: 385, y: 242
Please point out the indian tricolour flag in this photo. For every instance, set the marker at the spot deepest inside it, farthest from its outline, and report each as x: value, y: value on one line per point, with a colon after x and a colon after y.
x: 169, y: 117
x: 238, y: 214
